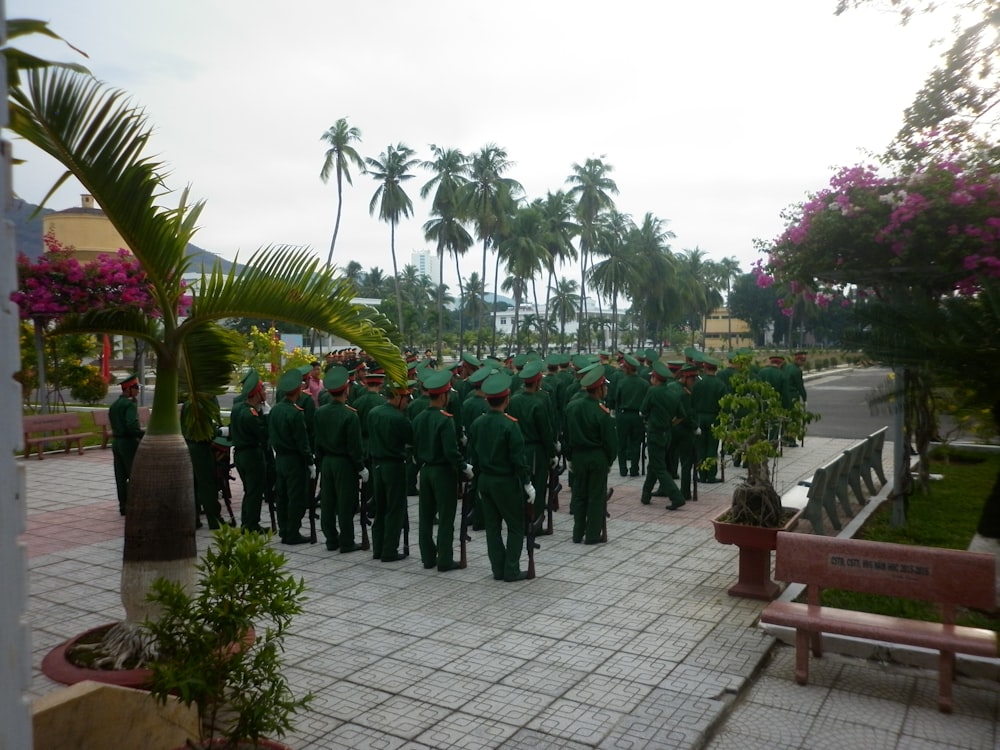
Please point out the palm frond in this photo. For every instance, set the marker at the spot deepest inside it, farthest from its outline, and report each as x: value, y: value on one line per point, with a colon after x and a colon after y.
x: 123, y: 322
x: 209, y: 356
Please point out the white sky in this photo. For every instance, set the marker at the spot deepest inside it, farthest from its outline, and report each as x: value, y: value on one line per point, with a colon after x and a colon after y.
x: 714, y: 115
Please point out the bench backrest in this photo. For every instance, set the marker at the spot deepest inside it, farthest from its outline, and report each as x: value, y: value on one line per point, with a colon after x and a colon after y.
x: 101, y: 418
x: 946, y: 576
x: 69, y: 420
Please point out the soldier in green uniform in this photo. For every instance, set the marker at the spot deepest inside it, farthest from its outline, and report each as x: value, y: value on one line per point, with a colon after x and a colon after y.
x: 705, y: 397
x: 473, y: 407
x: 340, y: 461
x: 774, y: 374
x: 248, y: 434
x: 206, y: 484
x: 591, y: 450
x: 685, y: 432
x: 123, y: 415
x: 497, y: 450
x: 631, y: 391
x: 662, y: 409
x: 293, y: 458
x: 390, y: 435
x: 533, y: 413
x: 439, y: 463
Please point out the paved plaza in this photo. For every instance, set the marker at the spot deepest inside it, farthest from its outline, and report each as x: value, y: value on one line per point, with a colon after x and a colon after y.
x: 633, y: 644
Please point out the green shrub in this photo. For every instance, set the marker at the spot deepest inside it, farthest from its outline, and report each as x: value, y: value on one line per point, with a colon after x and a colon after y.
x: 88, y: 386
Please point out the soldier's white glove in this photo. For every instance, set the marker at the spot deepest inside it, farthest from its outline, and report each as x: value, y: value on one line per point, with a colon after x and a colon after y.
x: 364, y: 475
x: 697, y: 431
x: 265, y: 408
x: 224, y: 431
x: 569, y: 466
x: 529, y: 490
x: 464, y: 440
x: 312, y: 471
x: 467, y: 471
x: 558, y: 448
x: 553, y: 462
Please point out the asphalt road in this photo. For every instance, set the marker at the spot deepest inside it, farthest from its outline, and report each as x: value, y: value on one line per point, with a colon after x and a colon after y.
x: 840, y: 397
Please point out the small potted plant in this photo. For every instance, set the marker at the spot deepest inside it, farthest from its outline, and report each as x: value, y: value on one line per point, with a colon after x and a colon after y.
x: 752, y: 424
x: 220, y: 647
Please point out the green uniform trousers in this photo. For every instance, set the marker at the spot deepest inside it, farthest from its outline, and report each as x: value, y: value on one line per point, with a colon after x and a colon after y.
x: 123, y: 450
x: 656, y: 471
x: 338, y: 501
x: 389, y: 491
x: 438, y: 493
x: 500, y: 497
x: 253, y: 473
x: 589, y: 498
x: 291, y: 493
x: 630, y: 431
x: 206, y: 484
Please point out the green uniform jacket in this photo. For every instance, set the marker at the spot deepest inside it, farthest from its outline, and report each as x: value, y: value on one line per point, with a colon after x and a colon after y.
x: 389, y: 432
x: 123, y: 415
x: 589, y: 427
x: 705, y: 397
x: 534, y: 416
x: 631, y: 392
x: 435, y: 440
x: 287, y: 430
x: 338, y: 433
x: 496, y: 447
x: 661, y: 406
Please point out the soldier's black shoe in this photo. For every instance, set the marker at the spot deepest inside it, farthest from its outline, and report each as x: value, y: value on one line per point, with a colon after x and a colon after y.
x: 332, y: 546
x: 521, y: 576
x: 394, y: 557
x: 478, y: 527
x: 577, y: 539
x: 295, y: 539
x: 352, y: 547
x: 197, y: 524
x: 593, y: 541
x: 623, y: 472
x: 675, y: 506
x: 633, y: 473
x: 497, y: 578
x: 645, y: 500
x: 450, y: 566
x: 428, y: 566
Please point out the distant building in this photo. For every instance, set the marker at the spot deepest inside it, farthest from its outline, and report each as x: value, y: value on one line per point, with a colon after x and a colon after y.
x: 426, y: 264
x: 724, y: 332
x: 85, y: 228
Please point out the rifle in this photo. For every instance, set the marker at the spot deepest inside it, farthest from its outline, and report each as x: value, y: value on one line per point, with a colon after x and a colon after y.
x: 694, y: 472
x: 529, y: 536
x: 607, y: 515
x: 464, y: 492
x: 406, y: 528
x: 363, y: 512
x: 555, y: 486
x: 223, y: 477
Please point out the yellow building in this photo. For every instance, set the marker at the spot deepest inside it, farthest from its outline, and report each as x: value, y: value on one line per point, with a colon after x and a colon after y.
x: 723, y: 332
x: 85, y: 228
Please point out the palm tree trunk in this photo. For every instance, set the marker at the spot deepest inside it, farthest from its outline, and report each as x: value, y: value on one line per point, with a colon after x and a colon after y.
x: 496, y: 287
x: 479, y: 318
x: 395, y: 278
x: 43, y: 386
x: 440, y: 304
x: 461, y: 309
x: 336, y: 224
x: 548, y: 297
x: 583, y: 298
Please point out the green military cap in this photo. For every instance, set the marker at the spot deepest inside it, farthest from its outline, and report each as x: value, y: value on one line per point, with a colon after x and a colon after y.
x: 777, y: 357
x: 437, y: 381
x: 710, y: 362
x: 604, y: 353
x: 404, y: 387
x: 531, y: 354
x: 590, y: 368
x: 675, y: 364
x: 689, y: 352
x: 497, y: 385
x: 520, y: 360
x: 652, y: 355
x: 470, y: 359
x: 593, y: 379
x: 661, y: 370
x: 580, y: 361
x: 304, y: 370
x: 290, y: 380
x: 250, y: 383
x: 454, y: 365
x: 631, y: 361
x: 688, y: 370
x: 129, y: 380
x: 336, y: 378
x: 481, y: 374
x: 531, y: 371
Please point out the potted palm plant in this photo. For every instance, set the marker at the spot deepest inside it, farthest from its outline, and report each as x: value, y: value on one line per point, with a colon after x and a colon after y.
x: 219, y: 647
x: 751, y: 425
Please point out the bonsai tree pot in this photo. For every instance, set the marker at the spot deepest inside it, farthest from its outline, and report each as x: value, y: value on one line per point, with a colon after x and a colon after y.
x: 755, y: 544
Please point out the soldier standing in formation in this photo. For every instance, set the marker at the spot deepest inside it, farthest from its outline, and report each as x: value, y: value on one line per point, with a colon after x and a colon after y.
x: 631, y: 392
x: 248, y: 434
x: 293, y: 458
x: 339, y: 457
x: 390, y: 435
x: 592, y: 449
x: 662, y: 410
x: 497, y: 451
x: 439, y: 463
x: 123, y: 415
x: 705, y: 396
x: 534, y: 416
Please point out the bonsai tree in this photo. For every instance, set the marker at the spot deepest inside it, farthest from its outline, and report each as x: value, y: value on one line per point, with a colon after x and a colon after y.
x: 100, y: 137
x: 220, y: 647
x: 750, y: 426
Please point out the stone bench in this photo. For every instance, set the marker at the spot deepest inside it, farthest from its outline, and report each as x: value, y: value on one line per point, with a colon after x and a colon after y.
x: 949, y: 578
x: 101, y: 420
x: 42, y: 429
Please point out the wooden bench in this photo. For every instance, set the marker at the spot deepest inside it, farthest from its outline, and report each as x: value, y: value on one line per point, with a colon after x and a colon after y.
x: 950, y: 578
x: 41, y: 429
x: 101, y: 420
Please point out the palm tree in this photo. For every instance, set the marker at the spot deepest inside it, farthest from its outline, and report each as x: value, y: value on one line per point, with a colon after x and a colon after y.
x: 565, y: 303
x: 339, y: 158
x: 99, y: 137
x: 696, y: 288
x: 525, y: 255
x: 475, y: 299
x: 391, y: 169
x: 354, y: 272
x: 616, y: 273
x: 728, y: 269
x: 488, y: 199
x: 373, y: 283
x: 446, y: 230
x: 592, y: 189
x: 559, y: 231
x: 653, y: 291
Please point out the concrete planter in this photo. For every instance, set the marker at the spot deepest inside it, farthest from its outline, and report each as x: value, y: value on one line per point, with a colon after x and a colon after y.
x: 755, y: 544
x: 57, y: 667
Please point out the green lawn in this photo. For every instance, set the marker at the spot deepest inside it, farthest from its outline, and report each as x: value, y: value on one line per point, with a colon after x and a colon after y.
x: 944, y: 517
